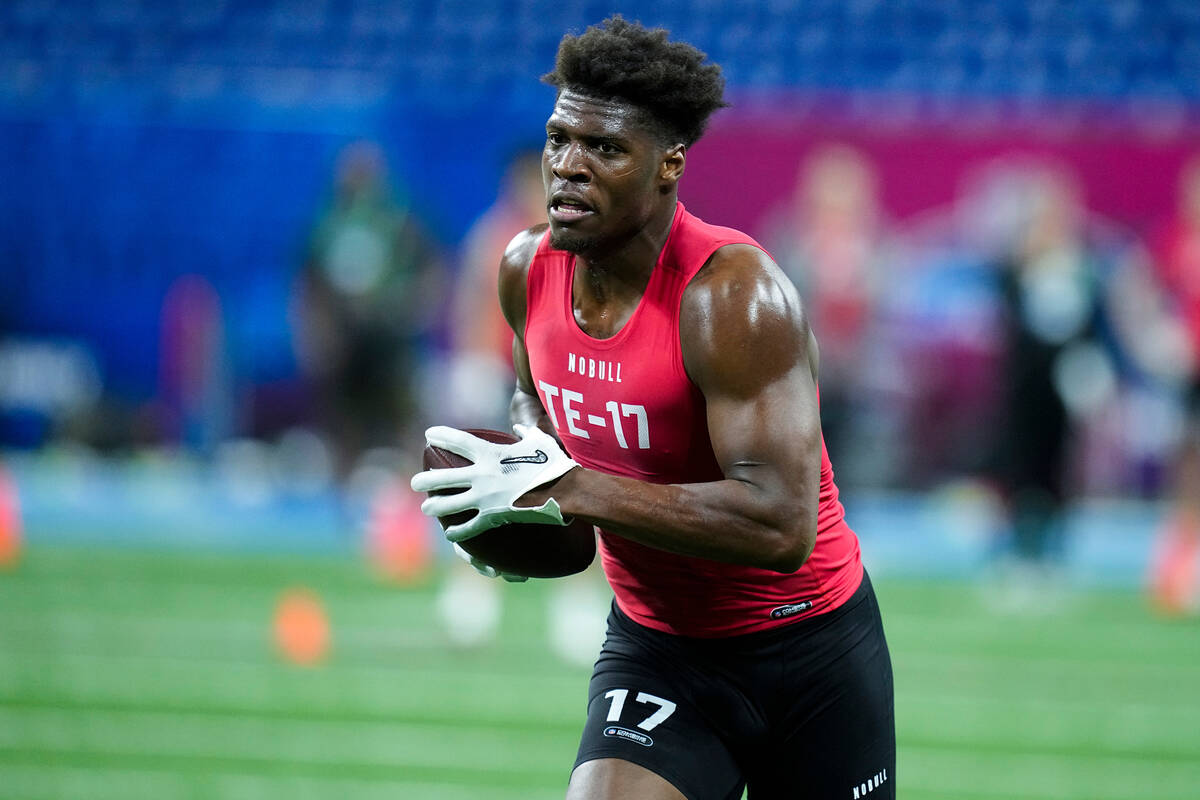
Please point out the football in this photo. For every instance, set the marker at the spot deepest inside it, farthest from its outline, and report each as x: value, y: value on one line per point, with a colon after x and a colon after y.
x: 535, y: 551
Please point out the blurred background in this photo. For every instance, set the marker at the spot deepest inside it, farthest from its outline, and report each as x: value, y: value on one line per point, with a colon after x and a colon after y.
x: 248, y: 252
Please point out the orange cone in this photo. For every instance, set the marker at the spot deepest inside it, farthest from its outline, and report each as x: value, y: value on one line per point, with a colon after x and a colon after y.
x: 1175, y: 570
x: 301, y: 627
x: 398, y: 540
x: 10, y: 522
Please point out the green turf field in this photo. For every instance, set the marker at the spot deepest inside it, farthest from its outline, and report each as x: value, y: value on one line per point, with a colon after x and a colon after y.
x: 126, y: 675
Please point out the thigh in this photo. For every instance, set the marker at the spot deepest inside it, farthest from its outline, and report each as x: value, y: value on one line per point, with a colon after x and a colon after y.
x: 614, y: 779
x: 643, y: 729
x: 841, y: 743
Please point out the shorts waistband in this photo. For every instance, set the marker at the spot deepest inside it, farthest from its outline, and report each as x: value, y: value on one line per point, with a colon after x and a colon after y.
x: 798, y: 627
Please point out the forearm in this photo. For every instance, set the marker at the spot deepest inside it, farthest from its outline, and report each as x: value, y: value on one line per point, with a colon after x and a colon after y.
x: 732, y: 521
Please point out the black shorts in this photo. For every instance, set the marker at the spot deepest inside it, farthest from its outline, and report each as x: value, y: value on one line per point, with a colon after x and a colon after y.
x: 805, y: 710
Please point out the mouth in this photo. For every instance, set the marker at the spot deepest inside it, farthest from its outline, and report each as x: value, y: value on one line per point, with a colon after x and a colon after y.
x: 569, y: 208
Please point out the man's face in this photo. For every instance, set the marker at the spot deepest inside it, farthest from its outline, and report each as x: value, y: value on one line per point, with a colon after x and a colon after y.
x: 601, y: 168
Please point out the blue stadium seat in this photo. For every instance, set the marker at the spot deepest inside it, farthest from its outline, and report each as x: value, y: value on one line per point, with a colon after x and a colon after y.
x: 1053, y: 48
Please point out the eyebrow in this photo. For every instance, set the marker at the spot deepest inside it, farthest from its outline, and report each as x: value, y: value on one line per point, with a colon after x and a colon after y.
x: 614, y: 138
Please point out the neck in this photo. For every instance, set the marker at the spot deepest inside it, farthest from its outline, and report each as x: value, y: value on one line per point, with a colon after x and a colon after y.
x: 627, y: 265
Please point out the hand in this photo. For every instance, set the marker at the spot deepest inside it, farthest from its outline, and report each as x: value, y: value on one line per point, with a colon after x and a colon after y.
x: 498, y: 475
x: 487, y: 570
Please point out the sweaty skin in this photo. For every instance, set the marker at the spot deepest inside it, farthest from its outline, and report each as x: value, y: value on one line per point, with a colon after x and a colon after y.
x: 745, y: 339
x: 611, y: 197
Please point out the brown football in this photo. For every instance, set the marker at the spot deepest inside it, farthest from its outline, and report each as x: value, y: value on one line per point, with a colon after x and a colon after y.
x: 532, y: 550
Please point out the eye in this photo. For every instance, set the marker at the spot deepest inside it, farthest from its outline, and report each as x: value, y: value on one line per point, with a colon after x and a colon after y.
x: 555, y: 138
x: 608, y: 148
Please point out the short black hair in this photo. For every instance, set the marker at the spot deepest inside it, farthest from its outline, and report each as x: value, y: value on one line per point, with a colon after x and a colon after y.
x: 622, y: 60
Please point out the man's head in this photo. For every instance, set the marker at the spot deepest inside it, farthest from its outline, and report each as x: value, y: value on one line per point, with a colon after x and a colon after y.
x: 667, y: 81
x: 629, y: 104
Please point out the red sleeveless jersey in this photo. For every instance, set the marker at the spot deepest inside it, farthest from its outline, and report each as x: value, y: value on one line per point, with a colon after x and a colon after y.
x: 625, y: 406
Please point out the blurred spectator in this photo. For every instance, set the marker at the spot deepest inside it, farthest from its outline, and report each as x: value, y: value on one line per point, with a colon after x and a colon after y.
x: 1176, y: 578
x: 365, y: 298
x: 1177, y: 258
x: 828, y: 240
x: 481, y: 388
x: 195, y: 394
x: 1060, y: 366
x: 481, y: 374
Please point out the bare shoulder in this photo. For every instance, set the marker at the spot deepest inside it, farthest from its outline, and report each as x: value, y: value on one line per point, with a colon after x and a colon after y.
x: 741, y: 316
x: 514, y: 267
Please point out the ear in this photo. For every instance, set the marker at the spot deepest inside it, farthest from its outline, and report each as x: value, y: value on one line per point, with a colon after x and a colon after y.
x: 672, y: 164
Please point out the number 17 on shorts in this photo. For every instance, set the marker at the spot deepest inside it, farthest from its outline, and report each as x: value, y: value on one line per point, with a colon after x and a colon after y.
x: 659, y: 710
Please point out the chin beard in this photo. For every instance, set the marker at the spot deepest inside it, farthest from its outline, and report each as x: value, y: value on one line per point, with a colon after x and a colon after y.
x: 570, y: 242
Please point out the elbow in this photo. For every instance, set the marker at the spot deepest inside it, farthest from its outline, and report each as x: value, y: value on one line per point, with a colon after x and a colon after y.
x: 783, y: 531
x: 791, y: 548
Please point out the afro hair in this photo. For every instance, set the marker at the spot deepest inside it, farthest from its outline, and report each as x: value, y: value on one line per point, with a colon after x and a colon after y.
x: 622, y: 60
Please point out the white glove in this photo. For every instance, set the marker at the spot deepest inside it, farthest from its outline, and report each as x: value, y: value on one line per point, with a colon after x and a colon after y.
x: 498, y: 475
x: 486, y: 570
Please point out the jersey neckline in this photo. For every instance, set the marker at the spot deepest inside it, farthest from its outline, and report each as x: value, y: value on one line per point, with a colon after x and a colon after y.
x: 656, y: 277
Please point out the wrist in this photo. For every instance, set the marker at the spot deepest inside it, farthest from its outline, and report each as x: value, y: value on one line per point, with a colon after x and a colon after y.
x: 561, y: 490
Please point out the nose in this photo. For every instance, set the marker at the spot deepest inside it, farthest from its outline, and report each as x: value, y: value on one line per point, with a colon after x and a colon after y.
x: 570, y: 164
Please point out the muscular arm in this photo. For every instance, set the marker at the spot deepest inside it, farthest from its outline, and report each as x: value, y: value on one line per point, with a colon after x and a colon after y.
x: 747, y: 346
x: 526, y: 408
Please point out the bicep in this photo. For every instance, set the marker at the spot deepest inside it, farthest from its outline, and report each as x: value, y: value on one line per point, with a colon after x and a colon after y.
x: 511, y: 289
x: 749, y: 350
x: 526, y: 407
x: 521, y: 367
x: 765, y: 427
x: 771, y: 436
